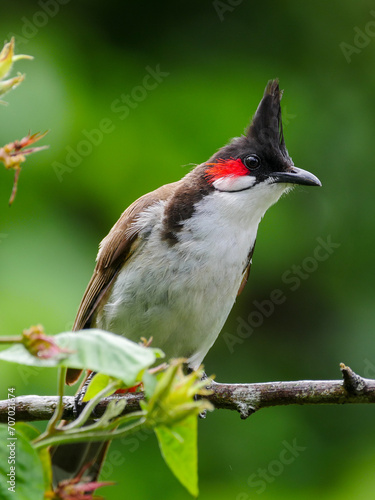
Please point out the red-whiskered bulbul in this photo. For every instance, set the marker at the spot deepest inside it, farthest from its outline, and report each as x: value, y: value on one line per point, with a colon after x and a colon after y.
x: 173, y: 264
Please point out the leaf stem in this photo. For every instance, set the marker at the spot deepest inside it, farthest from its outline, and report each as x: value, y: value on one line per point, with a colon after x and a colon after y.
x: 86, y: 435
x: 56, y: 417
x: 12, y: 339
x: 86, y: 412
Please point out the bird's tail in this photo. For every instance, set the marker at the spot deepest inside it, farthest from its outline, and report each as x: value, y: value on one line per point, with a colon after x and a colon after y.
x: 84, y: 460
x: 72, y: 460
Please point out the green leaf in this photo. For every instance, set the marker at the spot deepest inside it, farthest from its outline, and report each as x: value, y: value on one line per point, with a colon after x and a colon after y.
x: 95, y: 350
x: 113, y: 410
x: 28, y: 470
x: 97, y: 384
x: 178, y: 445
x: 149, y: 383
x: 29, y: 431
x: 45, y: 460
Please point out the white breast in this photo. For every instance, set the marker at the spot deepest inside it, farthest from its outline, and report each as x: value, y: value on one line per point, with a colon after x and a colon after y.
x: 182, y: 294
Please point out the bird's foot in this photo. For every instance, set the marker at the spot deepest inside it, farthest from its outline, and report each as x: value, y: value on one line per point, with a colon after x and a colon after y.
x: 197, y: 397
x: 78, y: 404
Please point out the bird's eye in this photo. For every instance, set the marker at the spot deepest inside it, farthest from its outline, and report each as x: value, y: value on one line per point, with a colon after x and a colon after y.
x: 252, y: 162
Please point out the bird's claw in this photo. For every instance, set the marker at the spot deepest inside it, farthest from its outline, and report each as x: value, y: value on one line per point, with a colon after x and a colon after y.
x: 78, y: 404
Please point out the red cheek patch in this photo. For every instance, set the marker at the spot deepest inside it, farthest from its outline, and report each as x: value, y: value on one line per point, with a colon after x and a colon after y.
x: 225, y: 168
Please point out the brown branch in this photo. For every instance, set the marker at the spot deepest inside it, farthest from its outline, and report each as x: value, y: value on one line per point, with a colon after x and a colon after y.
x: 244, y: 398
x: 248, y: 398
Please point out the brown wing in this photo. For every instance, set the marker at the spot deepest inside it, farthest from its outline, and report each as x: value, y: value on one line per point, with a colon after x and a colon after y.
x: 245, y: 275
x: 116, y: 248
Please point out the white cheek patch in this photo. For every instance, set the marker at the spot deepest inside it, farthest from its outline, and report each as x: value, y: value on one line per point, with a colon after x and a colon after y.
x: 238, y: 183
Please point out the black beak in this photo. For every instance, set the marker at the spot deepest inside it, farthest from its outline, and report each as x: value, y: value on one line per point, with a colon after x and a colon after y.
x: 296, y: 176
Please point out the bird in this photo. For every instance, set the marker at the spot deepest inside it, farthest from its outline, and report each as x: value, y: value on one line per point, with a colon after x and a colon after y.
x: 174, y: 263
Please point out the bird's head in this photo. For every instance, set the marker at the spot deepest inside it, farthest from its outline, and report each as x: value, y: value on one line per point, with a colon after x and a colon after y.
x: 260, y: 157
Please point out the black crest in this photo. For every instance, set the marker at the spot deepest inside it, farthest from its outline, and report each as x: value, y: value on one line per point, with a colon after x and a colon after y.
x: 266, y: 126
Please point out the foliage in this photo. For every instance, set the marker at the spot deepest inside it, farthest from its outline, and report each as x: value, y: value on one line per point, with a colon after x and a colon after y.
x: 7, y: 59
x: 27, y: 481
x: 170, y: 407
x: 85, y: 58
x: 14, y: 153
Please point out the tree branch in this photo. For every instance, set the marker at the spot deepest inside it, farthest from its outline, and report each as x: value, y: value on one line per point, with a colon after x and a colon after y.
x: 244, y: 398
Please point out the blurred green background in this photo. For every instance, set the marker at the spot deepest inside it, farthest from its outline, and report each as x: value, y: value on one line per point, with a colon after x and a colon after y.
x: 215, y: 59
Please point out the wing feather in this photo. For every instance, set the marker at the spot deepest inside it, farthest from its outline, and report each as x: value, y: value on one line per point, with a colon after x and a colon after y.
x: 246, y: 272
x: 115, y: 249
